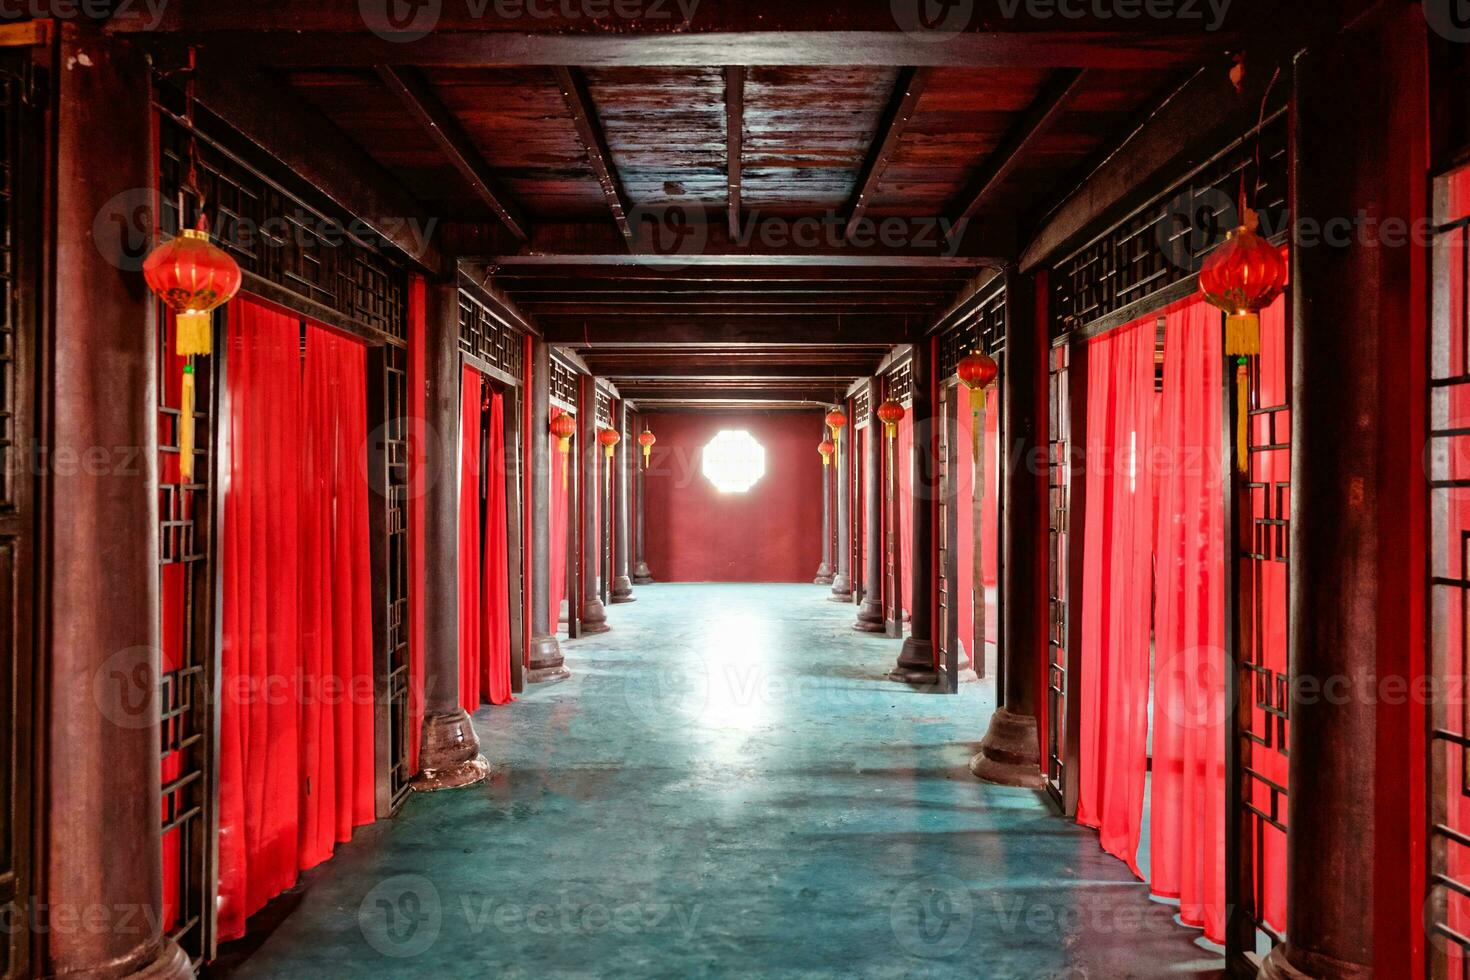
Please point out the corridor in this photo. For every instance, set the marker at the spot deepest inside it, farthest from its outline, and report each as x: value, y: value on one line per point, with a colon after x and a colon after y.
x: 727, y: 786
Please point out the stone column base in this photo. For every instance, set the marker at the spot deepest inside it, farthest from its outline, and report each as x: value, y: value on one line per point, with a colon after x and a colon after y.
x: 642, y: 575
x: 594, y: 617
x: 1009, y: 754
x: 622, y: 590
x: 869, y: 617
x: 841, y: 588
x: 545, y: 662
x: 1278, y: 965
x: 824, y: 575
x: 916, y: 664
x: 450, y: 757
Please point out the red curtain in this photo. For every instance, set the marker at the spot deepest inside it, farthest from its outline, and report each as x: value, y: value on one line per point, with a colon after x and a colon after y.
x: 495, y: 670
x: 471, y: 591
x: 990, y: 541
x: 418, y: 481
x: 560, y: 483
x: 965, y: 529
x: 1117, y: 593
x: 988, y: 533
x: 1187, y: 811
x: 903, y: 461
x: 296, y: 718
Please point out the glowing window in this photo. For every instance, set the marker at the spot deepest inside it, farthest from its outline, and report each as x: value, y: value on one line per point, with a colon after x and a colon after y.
x: 733, y: 461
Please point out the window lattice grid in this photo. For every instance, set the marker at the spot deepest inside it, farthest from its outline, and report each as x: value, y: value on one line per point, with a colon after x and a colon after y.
x: 984, y: 330
x: 484, y: 335
x: 1058, y: 565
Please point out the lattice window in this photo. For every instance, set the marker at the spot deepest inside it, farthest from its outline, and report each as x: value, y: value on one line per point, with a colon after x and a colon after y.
x: 861, y: 409
x: 604, y: 409
x: 486, y: 336
x: 395, y: 483
x: 1165, y: 241
x: 274, y: 234
x: 983, y: 330
x: 564, y: 386
x: 1059, y: 481
x: 900, y: 382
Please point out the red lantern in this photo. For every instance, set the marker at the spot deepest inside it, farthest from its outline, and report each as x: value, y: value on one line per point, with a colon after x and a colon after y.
x: 193, y: 277
x: 890, y: 413
x: 564, y: 427
x: 836, y: 421
x: 978, y: 372
x: 1242, y: 277
x: 609, y: 439
x: 646, y: 441
x: 827, y: 447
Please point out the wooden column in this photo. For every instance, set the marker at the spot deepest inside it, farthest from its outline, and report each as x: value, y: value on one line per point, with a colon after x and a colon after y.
x: 642, y: 575
x: 916, y: 660
x: 544, y: 660
x: 102, y: 810
x: 627, y: 452
x: 1357, y: 517
x: 594, y: 614
x: 842, y: 581
x: 870, y: 613
x: 1010, y: 753
x: 824, y: 570
x: 451, y: 750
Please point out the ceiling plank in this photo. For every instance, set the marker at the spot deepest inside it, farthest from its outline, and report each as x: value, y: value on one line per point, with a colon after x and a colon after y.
x: 734, y: 140
x: 419, y: 99
x: 1008, y: 156
x: 728, y: 332
x: 584, y: 115
x: 906, y: 94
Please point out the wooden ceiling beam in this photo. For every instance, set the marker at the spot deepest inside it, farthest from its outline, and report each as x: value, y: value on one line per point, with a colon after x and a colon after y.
x: 1040, y: 117
x: 804, y: 277
x: 906, y: 94
x: 734, y: 141
x: 720, y: 307
x: 716, y: 391
x: 411, y: 89
x: 729, y: 333
x: 578, y: 97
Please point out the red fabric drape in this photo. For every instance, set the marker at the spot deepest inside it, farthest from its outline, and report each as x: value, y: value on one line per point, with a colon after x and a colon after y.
x: 903, y: 461
x: 1117, y: 593
x: 418, y: 482
x: 296, y: 718
x: 965, y: 529
x: 988, y: 532
x: 990, y: 548
x: 336, y: 589
x: 558, y: 523
x: 495, y: 665
x: 471, y: 591
x: 1187, y: 809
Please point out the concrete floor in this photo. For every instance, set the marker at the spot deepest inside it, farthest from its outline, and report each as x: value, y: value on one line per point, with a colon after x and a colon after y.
x: 727, y: 786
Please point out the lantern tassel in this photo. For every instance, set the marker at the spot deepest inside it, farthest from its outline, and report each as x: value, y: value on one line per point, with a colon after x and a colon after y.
x: 1242, y: 335
x: 192, y: 334
x: 186, y: 426
x: 1242, y: 417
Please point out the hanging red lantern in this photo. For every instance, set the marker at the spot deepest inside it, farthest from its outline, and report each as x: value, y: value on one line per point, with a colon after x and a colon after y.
x: 193, y: 277
x: 646, y: 441
x: 827, y: 447
x: 836, y: 421
x: 609, y: 439
x: 564, y: 427
x: 890, y: 413
x: 1243, y: 277
x: 977, y: 373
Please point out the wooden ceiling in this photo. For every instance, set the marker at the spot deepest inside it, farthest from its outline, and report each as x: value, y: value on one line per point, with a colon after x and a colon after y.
x: 750, y: 207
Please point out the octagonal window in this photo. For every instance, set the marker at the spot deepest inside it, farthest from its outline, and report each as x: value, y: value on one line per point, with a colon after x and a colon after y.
x: 733, y: 461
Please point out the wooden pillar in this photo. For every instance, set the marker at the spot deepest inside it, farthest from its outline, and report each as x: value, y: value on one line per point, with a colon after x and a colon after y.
x: 842, y: 580
x: 824, y: 569
x: 916, y: 659
x: 544, y: 660
x: 450, y: 756
x: 102, y: 806
x: 622, y: 462
x: 870, y: 613
x: 1358, y: 142
x: 1010, y: 753
x: 642, y: 575
x: 594, y: 614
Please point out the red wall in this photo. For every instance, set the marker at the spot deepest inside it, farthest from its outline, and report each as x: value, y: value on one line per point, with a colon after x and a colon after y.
x: 772, y: 533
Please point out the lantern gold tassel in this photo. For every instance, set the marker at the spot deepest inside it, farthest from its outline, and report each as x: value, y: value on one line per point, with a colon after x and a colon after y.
x: 1242, y: 416
x: 1242, y: 335
x: 192, y: 334
x: 186, y: 426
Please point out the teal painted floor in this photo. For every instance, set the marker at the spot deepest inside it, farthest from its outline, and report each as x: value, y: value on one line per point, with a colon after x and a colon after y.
x: 728, y: 787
